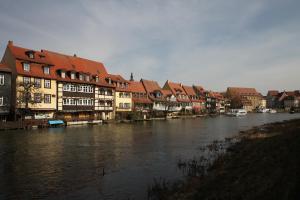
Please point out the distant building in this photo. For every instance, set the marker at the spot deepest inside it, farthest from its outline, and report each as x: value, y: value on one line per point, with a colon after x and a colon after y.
x: 183, y: 101
x: 140, y: 100
x: 272, y: 98
x: 123, y: 96
x: 156, y: 95
x: 194, y: 98
x: 247, y: 98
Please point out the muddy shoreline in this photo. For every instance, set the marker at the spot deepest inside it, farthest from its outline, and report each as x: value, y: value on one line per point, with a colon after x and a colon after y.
x: 260, y: 163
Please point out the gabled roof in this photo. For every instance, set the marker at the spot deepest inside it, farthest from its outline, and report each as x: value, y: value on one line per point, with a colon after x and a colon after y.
x: 189, y: 90
x: 4, y: 68
x: 136, y: 87
x: 242, y: 91
x: 273, y: 93
x: 176, y: 88
x: 116, y: 78
x: 22, y: 54
x: 74, y: 63
x: 150, y: 86
x: 198, y: 88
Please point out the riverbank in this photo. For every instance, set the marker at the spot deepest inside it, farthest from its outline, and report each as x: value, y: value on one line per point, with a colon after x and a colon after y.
x: 263, y: 164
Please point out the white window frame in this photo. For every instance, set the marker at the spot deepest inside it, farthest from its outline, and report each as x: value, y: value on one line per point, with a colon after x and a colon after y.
x: 46, y: 70
x: 26, y: 78
x: 47, y: 83
x: 26, y: 67
x: 39, y: 81
x: 63, y: 74
x: 1, y: 101
x: 47, y: 98
x: 81, y: 77
x: 2, y: 79
x: 72, y: 75
x: 87, y: 78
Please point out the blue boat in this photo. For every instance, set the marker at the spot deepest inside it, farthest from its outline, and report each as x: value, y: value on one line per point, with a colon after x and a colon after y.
x: 56, y: 122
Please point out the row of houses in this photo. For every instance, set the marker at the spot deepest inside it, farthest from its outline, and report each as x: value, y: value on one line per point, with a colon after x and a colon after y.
x: 286, y: 100
x: 46, y: 84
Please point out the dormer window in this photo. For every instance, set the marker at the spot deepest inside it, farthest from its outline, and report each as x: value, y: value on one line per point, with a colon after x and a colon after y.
x: 97, y: 79
x: 46, y: 70
x: 63, y: 74
x: 26, y: 67
x: 87, y: 78
x: 30, y: 54
x: 72, y: 75
x: 81, y: 77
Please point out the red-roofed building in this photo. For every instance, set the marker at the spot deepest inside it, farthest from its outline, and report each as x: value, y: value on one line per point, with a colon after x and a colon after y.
x: 123, y: 95
x: 247, y: 98
x: 65, y: 86
x: 140, y: 99
x: 197, y: 102
x: 182, y: 98
x: 158, y: 96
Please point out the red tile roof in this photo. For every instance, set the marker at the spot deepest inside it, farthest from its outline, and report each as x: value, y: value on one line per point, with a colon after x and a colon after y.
x: 136, y: 87
x: 57, y: 61
x: 20, y: 53
x: 4, y: 68
x: 273, y: 93
x: 141, y: 100
x: 189, y: 90
x: 242, y: 91
x: 177, y: 90
x: 150, y: 86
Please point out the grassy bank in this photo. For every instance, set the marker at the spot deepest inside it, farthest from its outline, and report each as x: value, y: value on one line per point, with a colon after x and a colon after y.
x: 263, y: 164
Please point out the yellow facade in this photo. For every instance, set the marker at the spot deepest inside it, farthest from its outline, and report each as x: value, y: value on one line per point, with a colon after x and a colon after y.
x: 123, y: 101
x: 42, y: 90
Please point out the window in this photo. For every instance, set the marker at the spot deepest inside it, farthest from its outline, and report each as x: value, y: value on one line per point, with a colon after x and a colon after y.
x: 87, y: 78
x: 1, y: 79
x: 81, y: 77
x: 63, y: 74
x: 47, y: 98
x: 69, y: 102
x: 127, y: 105
x: 120, y: 105
x: 37, y: 97
x: 26, y: 80
x: 37, y: 82
x: 72, y: 88
x: 46, y: 70
x: 72, y: 75
x: 97, y: 79
x: 26, y: 67
x: 1, y: 101
x: 47, y: 84
x: 66, y: 87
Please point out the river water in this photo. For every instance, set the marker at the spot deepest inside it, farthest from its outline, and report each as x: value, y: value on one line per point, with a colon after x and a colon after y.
x: 114, y: 161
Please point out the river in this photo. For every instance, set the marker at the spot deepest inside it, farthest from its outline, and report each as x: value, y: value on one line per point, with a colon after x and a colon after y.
x: 113, y: 161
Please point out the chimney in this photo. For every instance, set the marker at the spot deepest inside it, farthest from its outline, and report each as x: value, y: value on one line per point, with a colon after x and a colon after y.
x: 10, y: 43
x: 75, y: 55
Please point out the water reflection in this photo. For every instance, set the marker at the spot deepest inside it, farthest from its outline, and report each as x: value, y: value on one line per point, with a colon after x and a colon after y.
x: 68, y: 163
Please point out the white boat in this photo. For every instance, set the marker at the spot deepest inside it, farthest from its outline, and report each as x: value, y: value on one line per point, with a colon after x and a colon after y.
x: 272, y: 111
x: 237, y: 112
x: 264, y: 110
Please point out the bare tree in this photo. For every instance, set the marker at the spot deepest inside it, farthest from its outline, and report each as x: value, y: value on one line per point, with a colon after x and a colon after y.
x: 28, y: 95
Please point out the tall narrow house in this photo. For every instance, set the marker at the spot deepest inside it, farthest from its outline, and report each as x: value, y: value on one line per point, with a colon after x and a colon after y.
x: 33, y: 82
x: 182, y: 97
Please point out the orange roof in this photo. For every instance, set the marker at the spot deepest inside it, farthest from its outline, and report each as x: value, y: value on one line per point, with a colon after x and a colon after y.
x: 137, y: 87
x: 141, y: 100
x: 74, y: 63
x: 176, y: 88
x: 242, y: 91
x: 150, y: 86
x: 273, y: 93
x: 4, y: 68
x: 166, y: 92
x: 21, y: 53
x: 189, y: 90
x: 57, y: 61
x: 199, y: 88
x: 116, y: 78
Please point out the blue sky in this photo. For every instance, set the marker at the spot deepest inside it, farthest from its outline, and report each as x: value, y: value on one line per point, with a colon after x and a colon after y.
x: 213, y: 43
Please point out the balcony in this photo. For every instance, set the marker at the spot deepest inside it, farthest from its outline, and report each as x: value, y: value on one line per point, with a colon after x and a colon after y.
x: 106, y: 97
x: 109, y: 108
